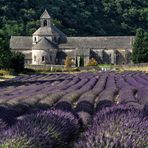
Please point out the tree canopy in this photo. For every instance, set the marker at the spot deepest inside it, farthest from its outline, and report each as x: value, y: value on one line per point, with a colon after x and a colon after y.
x: 140, y: 47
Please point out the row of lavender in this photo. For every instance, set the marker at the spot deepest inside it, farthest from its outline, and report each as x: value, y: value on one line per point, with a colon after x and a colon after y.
x: 24, y: 94
x: 89, y: 94
x: 116, y: 126
x: 113, y: 126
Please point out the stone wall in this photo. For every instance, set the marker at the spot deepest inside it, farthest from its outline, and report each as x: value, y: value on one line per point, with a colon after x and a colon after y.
x: 43, y: 67
x: 48, y: 55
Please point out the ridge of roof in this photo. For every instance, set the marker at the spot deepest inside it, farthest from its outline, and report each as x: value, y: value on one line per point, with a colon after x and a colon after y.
x: 45, y: 15
x: 103, y: 37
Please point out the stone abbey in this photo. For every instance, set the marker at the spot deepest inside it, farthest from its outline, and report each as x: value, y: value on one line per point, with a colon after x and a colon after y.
x: 49, y: 45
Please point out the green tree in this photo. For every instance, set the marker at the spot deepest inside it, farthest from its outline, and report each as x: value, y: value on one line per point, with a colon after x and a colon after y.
x: 5, y: 57
x: 145, y: 44
x: 17, y: 62
x: 140, y: 47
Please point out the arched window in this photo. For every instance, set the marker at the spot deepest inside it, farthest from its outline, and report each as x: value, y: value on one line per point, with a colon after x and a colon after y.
x: 43, y: 58
x: 50, y: 57
x: 34, y: 58
x: 45, y: 23
x: 35, y: 39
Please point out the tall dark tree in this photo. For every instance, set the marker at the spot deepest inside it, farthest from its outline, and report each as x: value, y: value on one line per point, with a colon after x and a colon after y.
x: 140, y: 47
x: 145, y: 46
x: 17, y: 62
x: 5, y: 57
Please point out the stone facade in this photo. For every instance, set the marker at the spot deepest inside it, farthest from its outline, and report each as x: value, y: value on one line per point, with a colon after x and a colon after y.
x: 48, y: 45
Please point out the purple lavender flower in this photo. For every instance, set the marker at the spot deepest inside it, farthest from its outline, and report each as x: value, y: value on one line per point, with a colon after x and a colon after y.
x: 53, y: 128
x: 116, y: 127
x: 63, y: 105
x: 8, y: 119
x: 3, y: 125
x: 145, y: 110
x: 103, y: 104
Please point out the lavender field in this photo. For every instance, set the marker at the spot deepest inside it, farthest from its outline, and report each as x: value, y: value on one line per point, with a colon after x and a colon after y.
x: 85, y: 110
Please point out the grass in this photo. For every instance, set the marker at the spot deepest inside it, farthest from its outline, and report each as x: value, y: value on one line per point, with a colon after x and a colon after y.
x: 134, y: 68
x: 5, y: 77
x: 105, y: 66
x: 6, y: 74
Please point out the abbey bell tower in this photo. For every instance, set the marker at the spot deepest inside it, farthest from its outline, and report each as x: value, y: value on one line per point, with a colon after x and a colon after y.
x: 45, y: 19
x: 45, y: 29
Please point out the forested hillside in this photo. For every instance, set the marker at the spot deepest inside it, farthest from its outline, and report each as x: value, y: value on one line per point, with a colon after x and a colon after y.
x: 73, y: 17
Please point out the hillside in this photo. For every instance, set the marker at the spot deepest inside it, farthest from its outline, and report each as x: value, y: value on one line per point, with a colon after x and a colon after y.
x: 74, y: 18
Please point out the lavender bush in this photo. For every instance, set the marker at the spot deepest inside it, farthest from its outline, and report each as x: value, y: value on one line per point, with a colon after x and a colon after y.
x: 53, y: 128
x: 116, y: 127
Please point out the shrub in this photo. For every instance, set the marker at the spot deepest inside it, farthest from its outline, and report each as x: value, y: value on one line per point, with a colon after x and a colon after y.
x: 5, y: 57
x: 68, y: 62
x: 140, y: 47
x: 92, y: 62
x: 6, y: 72
x: 45, y: 129
x: 17, y: 62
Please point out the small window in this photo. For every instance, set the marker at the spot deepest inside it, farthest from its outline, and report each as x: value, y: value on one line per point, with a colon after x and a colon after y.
x: 43, y: 58
x: 34, y: 58
x: 45, y: 22
x: 50, y: 57
x: 35, y: 39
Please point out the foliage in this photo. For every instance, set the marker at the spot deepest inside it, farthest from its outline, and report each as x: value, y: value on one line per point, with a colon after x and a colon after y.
x: 5, y: 57
x: 11, y: 60
x: 92, y: 62
x: 105, y: 65
x: 5, y: 72
x: 50, y: 128
x: 68, y: 62
x: 17, y: 62
x: 140, y: 47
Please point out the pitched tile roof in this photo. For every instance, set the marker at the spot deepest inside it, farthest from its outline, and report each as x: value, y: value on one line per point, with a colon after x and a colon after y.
x: 43, y: 44
x: 111, y: 42
x: 21, y: 42
x: 43, y: 31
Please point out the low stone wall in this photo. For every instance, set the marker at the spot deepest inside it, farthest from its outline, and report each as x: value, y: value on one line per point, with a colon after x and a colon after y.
x: 44, y: 67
